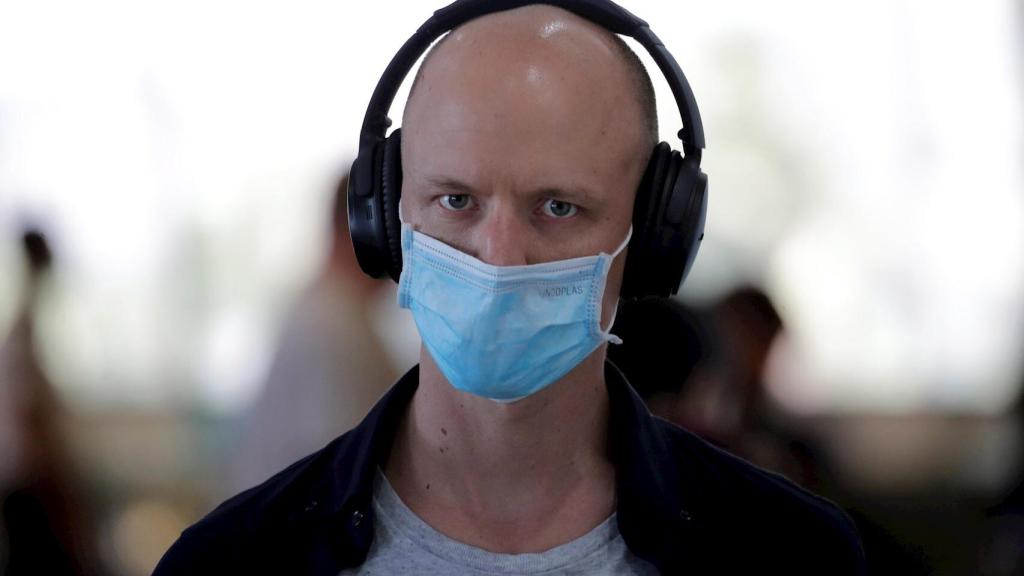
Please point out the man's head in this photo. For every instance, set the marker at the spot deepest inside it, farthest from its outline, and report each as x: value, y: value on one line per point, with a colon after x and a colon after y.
x: 525, y: 139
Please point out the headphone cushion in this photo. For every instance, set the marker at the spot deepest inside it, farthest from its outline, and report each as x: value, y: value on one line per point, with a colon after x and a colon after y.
x: 668, y: 224
x: 642, y: 257
x: 391, y: 193
x: 652, y: 188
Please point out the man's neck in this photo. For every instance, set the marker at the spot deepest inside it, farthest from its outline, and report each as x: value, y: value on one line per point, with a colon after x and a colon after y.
x: 511, y: 478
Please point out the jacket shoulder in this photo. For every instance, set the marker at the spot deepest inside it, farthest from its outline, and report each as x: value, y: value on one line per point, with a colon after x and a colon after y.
x: 230, y: 537
x: 765, y: 511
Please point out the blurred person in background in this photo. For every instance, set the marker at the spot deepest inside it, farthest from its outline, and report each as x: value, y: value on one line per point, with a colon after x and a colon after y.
x: 45, y: 527
x: 329, y: 369
x: 513, y: 446
x: 1002, y: 552
x: 703, y: 369
x: 748, y: 423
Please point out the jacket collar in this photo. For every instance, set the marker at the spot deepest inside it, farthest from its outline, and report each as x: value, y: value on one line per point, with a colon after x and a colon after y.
x: 657, y: 502
x: 337, y: 510
x: 658, y: 498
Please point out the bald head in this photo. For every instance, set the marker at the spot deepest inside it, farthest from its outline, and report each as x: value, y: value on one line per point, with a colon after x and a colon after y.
x: 540, y: 36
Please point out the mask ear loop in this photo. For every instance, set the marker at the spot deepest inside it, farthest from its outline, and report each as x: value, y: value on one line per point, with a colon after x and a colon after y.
x: 606, y: 334
x: 400, y: 219
x: 612, y: 338
x: 625, y: 242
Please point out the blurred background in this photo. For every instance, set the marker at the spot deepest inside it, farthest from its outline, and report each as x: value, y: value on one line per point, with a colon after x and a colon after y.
x: 181, y: 316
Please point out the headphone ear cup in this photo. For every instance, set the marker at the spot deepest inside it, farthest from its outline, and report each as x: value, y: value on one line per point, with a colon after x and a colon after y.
x: 687, y: 211
x: 365, y: 216
x: 641, y: 256
x: 391, y: 192
x: 668, y: 225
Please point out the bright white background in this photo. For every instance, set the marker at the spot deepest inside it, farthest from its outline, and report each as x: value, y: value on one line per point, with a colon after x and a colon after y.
x: 864, y: 159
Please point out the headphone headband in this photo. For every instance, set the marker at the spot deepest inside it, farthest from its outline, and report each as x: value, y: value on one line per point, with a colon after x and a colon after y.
x: 605, y: 13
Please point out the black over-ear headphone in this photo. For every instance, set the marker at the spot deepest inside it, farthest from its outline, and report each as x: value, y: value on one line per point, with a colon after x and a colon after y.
x: 670, y: 205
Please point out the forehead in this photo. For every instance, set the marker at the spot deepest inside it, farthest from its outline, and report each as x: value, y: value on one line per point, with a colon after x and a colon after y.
x: 533, y: 86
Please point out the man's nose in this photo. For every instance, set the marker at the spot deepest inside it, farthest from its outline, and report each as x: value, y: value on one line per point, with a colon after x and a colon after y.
x: 502, y: 238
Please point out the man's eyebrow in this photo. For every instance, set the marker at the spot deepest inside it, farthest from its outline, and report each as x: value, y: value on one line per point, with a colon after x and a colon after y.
x: 575, y: 194
x: 451, y: 186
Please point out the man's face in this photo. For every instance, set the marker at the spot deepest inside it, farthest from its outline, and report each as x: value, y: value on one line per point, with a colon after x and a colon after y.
x: 521, y: 147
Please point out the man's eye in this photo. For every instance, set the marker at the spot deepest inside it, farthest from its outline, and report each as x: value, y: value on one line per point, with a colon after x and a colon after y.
x: 559, y: 209
x: 456, y: 202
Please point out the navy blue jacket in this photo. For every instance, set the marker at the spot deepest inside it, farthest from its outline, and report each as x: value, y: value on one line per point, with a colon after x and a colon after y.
x: 684, y: 505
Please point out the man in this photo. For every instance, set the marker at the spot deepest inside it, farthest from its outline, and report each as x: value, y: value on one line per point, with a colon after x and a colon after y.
x: 525, y: 138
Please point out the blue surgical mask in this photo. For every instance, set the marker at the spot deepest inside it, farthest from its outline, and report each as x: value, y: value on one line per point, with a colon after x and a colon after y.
x: 503, y: 332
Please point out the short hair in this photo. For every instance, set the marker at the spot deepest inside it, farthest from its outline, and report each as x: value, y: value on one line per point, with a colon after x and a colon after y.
x: 642, y: 86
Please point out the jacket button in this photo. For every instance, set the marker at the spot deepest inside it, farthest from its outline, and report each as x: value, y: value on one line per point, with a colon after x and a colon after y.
x: 357, y: 518
x: 311, y: 506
